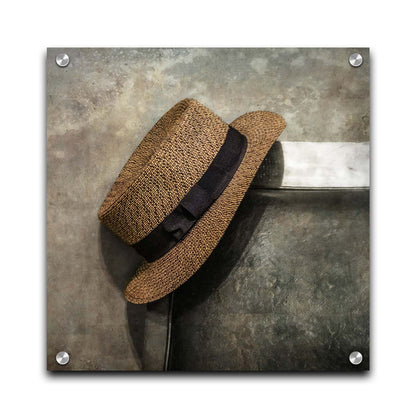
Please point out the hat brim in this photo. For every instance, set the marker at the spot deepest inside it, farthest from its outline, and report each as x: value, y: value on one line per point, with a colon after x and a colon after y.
x: 154, y: 280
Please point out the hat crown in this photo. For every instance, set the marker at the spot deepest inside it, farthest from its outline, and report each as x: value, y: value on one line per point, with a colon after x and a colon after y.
x: 171, y: 158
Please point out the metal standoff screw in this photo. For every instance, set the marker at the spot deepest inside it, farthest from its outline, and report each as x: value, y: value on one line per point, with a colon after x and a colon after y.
x: 356, y: 357
x: 62, y: 60
x: 62, y: 358
x: 356, y: 60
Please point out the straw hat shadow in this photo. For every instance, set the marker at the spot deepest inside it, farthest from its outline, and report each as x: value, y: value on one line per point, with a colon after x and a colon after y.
x: 122, y: 260
x: 223, y: 259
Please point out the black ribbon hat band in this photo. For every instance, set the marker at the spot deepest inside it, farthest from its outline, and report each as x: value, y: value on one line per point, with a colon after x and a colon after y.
x: 200, y: 197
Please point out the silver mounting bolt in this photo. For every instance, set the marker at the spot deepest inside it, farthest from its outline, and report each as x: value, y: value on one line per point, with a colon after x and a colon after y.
x: 62, y: 358
x: 356, y: 358
x: 62, y: 60
x: 356, y: 60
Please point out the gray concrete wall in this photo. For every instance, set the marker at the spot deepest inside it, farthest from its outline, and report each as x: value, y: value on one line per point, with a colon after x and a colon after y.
x: 99, y: 108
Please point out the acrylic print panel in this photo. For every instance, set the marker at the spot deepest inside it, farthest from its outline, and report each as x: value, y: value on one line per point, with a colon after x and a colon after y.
x: 287, y: 288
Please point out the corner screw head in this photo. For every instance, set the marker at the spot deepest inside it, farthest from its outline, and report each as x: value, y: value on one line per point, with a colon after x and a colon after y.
x: 62, y: 60
x: 62, y: 358
x: 356, y: 358
x: 356, y: 60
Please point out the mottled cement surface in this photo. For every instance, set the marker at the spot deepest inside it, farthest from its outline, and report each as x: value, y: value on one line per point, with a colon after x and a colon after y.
x: 98, y: 110
x: 286, y: 289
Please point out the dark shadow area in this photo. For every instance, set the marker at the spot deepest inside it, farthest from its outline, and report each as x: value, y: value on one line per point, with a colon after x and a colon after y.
x: 222, y: 260
x: 122, y: 262
x: 213, y: 273
x: 136, y: 315
x: 120, y: 259
x: 270, y: 173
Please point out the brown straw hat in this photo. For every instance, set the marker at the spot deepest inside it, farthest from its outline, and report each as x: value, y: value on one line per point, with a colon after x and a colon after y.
x: 178, y: 192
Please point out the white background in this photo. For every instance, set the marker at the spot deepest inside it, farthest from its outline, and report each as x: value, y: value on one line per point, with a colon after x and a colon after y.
x: 27, y: 28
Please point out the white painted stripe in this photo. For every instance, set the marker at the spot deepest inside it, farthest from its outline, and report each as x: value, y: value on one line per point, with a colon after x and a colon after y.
x: 326, y: 164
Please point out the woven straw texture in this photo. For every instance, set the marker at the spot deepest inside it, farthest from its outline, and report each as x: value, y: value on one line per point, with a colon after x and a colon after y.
x: 169, y: 161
